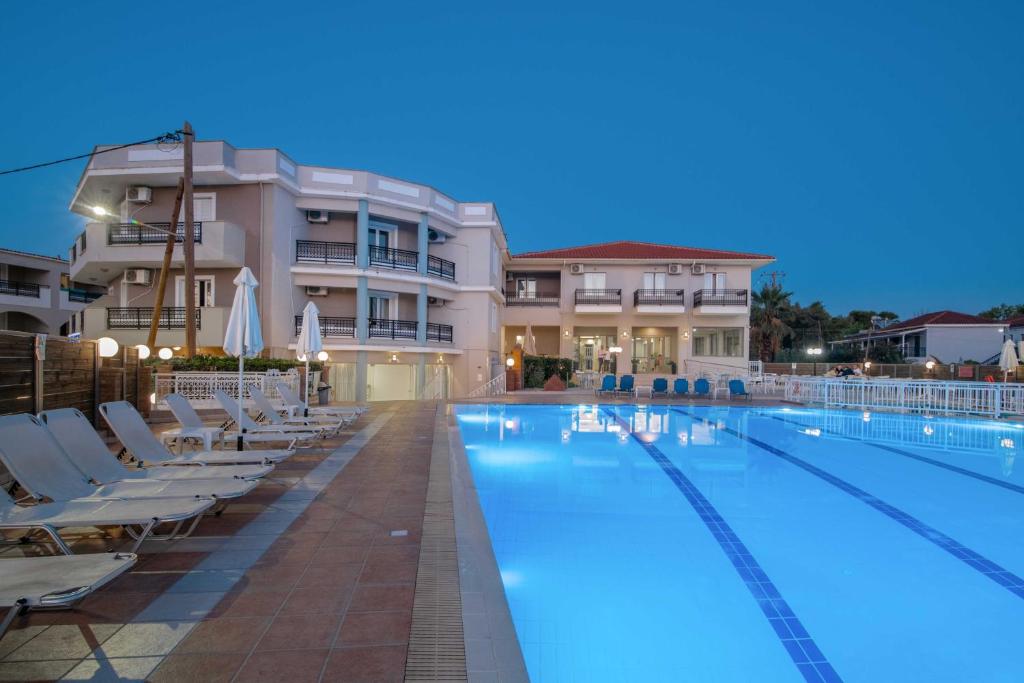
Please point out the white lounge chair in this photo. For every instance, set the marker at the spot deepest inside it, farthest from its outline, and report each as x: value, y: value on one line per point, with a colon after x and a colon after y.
x: 297, y: 406
x: 42, y: 467
x: 84, y: 446
x: 55, y: 581
x: 144, y: 514
x: 187, y: 416
x: 323, y: 423
x: 135, y: 435
x: 254, y: 430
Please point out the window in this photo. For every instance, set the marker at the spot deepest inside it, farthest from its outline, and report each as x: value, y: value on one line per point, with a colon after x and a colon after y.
x: 381, y: 234
x: 654, y: 281
x: 495, y: 260
x: 204, y: 207
x: 593, y: 280
x: 714, y: 281
x: 203, y: 291
x: 494, y: 317
x: 718, y: 341
x: 526, y: 288
x: 381, y: 305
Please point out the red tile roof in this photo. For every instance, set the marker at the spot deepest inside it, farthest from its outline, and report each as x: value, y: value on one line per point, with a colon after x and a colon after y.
x: 1016, y: 321
x: 628, y: 249
x: 941, y: 318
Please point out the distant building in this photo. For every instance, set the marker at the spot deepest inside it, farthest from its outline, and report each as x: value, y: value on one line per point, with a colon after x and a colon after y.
x: 36, y: 294
x: 1015, y: 331
x: 945, y: 336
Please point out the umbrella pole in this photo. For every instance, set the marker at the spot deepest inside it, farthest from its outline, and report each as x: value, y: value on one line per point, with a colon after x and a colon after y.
x: 241, y: 360
x: 305, y: 387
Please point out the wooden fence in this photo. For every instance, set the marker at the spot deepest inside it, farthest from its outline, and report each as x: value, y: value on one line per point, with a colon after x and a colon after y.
x: 39, y: 372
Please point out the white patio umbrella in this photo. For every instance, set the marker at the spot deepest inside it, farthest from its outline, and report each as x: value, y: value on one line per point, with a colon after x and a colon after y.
x: 1008, y: 358
x: 309, y: 343
x: 243, y: 337
x: 529, y: 344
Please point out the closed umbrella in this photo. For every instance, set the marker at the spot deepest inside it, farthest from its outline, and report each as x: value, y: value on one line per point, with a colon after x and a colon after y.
x: 1008, y: 358
x: 529, y: 345
x: 309, y: 343
x: 243, y: 337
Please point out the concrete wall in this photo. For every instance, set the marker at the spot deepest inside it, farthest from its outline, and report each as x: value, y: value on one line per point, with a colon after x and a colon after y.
x: 955, y: 344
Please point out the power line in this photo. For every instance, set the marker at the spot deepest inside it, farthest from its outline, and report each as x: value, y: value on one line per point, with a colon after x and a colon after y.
x: 174, y: 136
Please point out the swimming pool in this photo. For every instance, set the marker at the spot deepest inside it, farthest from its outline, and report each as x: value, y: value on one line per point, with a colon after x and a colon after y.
x: 687, y: 543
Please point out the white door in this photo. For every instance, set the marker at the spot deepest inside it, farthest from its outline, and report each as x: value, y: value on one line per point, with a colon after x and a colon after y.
x: 204, y: 208
x: 593, y: 280
x: 654, y: 281
x: 390, y: 382
x: 380, y: 307
x: 203, y: 291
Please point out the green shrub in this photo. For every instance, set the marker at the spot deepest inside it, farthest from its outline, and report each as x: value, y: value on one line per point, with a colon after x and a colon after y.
x: 537, y: 369
x: 200, y: 363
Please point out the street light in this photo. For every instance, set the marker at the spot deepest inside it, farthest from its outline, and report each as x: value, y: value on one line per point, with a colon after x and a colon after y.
x: 814, y: 352
x: 165, y: 353
x: 107, y: 347
x: 143, y: 351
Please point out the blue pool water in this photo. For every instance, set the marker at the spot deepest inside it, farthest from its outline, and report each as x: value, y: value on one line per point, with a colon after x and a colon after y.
x: 686, y: 543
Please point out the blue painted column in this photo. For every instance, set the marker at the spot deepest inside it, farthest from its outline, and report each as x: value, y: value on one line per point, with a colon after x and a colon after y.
x: 421, y: 315
x: 363, y: 235
x: 362, y: 309
x: 422, y: 242
x: 361, y: 376
x: 421, y: 375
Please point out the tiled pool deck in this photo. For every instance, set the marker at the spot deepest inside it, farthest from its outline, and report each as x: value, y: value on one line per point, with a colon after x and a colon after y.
x: 312, y: 576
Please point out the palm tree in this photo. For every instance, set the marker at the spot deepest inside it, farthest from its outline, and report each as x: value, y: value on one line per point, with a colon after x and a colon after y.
x: 766, y: 325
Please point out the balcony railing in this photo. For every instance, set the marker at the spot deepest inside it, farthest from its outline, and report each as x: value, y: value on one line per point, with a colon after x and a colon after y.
x: 131, y: 233
x: 344, y: 253
x: 599, y: 297
x: 439, y: 333
x: 15, y: 288
x: 138, y: 318
x: 659, y: 297
x: 331, y: 326
x: 720, y: 297
x: 328, y: 253
x: 522, y: 299
x: 382, y: 328
x: 909, y: 351
x: 82, y: 296
x: 439, y: 267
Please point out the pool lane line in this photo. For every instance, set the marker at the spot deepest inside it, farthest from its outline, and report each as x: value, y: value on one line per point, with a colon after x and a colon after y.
x: 913, y: 456
x: 798, y: 643
x: 971, y: 558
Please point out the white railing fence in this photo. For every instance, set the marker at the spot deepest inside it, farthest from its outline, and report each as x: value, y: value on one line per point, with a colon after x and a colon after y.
x: 199, y: 387
x: 755, y: 368
x: 964, y: 398
x: 496, y: 387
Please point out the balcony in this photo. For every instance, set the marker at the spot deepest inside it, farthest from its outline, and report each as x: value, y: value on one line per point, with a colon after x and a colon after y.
x: 103, y: 251
x: 662, y: 301
x: 598, y: 300
x: 139, y: 318
x: 30, y: 294
x: 331, y: 326
x: 130, y: 326
x: 523, y: 299
x: 382, y: 328
x: 15, y: 288
x: 344, y: 254
x: 720, y: 301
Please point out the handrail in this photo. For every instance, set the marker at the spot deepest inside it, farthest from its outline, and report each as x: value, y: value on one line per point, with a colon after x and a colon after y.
x: 598, y: 296
x: 139, y: 318
x: 659, y: 297
x: 720, y: 297
x: 15, y: 288
x: 531, y: 300
x: 495, y: 387
x: 328, y: 253
x: 331, y: 326
x: 134, y: 233
x: 344, y: 253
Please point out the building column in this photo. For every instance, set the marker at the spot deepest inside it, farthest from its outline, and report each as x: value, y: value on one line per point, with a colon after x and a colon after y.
x: 421, y: 374
x: 363, y: 235
x: 360, y: 376
x: 625, y: 360
x: 362, y: 309
x: 421, y: 315
x: 422, y: 241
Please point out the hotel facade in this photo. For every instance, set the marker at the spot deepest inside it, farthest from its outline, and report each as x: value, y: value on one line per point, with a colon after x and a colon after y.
x: 418, y: 293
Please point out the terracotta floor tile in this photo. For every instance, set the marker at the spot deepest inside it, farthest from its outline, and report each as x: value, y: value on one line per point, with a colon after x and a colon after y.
x: 378, y: 664
x: 250, y: 604
x: 293, y: 666
x: 388, y: 572
x: 401, y: 553
x: 382, y: 597
x: 225, y: 634
x: 209, y: 668
x: 300, y: 632
x: 318, y: 600
x: 373, y: 628
x: 340, y: 554
x: 330, y: 575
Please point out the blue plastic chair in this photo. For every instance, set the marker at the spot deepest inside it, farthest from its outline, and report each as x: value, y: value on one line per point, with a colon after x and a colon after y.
x: 702, y: 387
x: 681, y: 387
x: 607, y: 385
x: 659, y: 387
x: 738, y: 390
x: 626, y: 384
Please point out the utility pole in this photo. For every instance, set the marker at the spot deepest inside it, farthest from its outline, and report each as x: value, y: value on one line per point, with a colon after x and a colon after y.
x: 161, y: 284
x: 189, y: 246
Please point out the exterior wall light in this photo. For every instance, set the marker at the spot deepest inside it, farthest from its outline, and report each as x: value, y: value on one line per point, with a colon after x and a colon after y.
x: 614, y: 349
x: 323, y: 357
x: 144, y: 351
x: 165, y: 353
x: 107, y: 346
x: 929, y: 365
x: 510, y: 361
x: 867, y: 364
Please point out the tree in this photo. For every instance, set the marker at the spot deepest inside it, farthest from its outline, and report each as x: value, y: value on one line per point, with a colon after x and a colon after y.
x: 767, y: 327
x: 1003, y: 311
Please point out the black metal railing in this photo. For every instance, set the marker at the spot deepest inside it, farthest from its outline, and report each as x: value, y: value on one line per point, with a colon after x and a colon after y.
x: 439, y: 333
x: 439, y: 267
x: 720, y: 297
x: 522, y: 299
x: 331, y: 326
x: 910, y: 351
x: 131, y: 233
x: 15, y: 288
x: 82, y: 296
x: 659, y: 297
x: 599, y: 296
x: 328, y: 253
x: 139, y: 317
x: 399, y: 259
x: 382, y: 328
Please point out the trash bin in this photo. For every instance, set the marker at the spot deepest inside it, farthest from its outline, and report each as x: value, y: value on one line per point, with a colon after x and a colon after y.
x: 323, y: 393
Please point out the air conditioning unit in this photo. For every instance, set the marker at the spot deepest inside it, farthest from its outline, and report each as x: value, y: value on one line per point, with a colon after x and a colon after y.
x: 140, y: 194
x: 675, y: 269
x: 576, y: 268
x: 433, y: 301
x: 697, y: 269
x: 435, y: 237
x: 316, y: 291
x: 138, y: 276
x: 317, y: 216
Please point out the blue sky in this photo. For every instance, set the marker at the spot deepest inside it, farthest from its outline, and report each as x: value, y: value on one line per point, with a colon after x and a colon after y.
x: 875, y: 148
